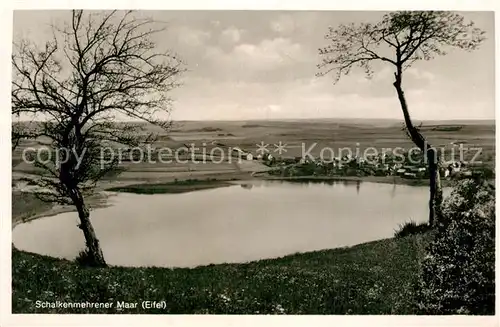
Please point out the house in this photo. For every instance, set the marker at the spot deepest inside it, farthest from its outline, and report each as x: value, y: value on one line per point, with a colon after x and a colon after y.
x: 238, y: 150
x: 242, y: 154
x: 410, y: 175
x: 401, y: 171
x: 268, y: 157
x: 456, y: 166
x: 449, y: 171
x: 346, y: 158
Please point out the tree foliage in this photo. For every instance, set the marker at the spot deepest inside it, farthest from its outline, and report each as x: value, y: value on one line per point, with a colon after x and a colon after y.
x: 97, y: 68
x: 400, y: 39
x: 458, y: 272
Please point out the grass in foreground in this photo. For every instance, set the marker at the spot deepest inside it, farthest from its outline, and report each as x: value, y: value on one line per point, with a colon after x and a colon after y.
x: 371, y: 278
x: 173, y: 187
x: 411, y: 228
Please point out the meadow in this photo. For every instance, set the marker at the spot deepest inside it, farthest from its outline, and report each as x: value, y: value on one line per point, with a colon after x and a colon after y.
x: 356, y: 135
x: 371, y: 278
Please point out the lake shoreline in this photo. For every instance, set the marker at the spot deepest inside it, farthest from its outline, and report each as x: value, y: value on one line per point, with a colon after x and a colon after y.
x: 316, y: 274
x: 227, y: 214
x: 95, y: 203
x: 176, y: 187
x: 169, y: 186
x: 237, y: 288
x: 101, y: 201
x: 368, y: 179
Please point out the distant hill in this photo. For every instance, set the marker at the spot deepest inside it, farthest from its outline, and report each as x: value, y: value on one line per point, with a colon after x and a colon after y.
x: 380, y: 122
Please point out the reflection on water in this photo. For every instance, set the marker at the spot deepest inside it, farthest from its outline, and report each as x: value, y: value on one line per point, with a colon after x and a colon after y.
x: 261, y: 219
x: 247, y: 186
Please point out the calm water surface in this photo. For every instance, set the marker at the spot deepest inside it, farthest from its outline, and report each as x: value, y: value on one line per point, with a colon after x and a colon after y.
x: 239, y: 223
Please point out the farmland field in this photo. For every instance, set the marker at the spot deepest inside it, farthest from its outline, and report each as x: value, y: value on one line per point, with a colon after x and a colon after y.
x: 299, y: 136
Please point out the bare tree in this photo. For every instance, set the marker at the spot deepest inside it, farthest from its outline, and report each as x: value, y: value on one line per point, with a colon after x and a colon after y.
x: 96, y: 67
x: 399, y: 40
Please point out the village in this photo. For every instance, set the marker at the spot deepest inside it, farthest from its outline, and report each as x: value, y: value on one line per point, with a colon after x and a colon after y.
x: 385, y: 164
x: 406, y: 165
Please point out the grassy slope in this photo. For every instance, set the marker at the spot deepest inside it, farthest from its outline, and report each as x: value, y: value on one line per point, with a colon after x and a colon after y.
x: 173, y: 187
x: 371, y: 278
x: 25, y: 205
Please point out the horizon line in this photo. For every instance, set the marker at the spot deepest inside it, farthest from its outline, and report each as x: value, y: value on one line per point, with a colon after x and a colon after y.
x: 300, y: 119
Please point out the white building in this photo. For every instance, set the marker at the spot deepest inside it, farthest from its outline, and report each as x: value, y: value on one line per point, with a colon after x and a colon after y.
x: 243, y: 154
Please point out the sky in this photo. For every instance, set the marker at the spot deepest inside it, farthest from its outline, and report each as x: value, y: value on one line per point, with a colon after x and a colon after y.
x: 262, y: 65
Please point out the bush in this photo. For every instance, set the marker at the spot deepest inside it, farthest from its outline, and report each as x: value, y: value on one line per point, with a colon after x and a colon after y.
x: 84, y: 258
x: 457, y: 275
x: 411, y: 228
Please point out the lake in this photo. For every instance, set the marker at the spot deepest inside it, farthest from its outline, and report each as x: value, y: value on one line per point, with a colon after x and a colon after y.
x: 240, y: 223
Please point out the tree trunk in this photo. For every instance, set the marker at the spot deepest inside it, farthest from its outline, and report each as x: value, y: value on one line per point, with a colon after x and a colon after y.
x: 94, y: 249
x: 432, y: 156
x: 436, y: 193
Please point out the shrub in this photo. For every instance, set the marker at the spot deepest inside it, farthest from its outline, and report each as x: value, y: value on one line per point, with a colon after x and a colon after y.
x: 457, y: 275
x: 84, y: 258
x: 411, y: 228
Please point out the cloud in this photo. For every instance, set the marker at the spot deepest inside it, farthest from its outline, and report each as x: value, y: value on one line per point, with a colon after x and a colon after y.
x: 268, y: 54
x: 191, y: 36
x: 231, y: 34
x: 420, y: 75
x: 250, y: 60
x: 274, y: 107
x: 284, y: 24
x: 313, y: 98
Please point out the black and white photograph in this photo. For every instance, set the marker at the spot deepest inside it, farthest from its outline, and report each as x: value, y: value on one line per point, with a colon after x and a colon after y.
x: 251, y: 162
